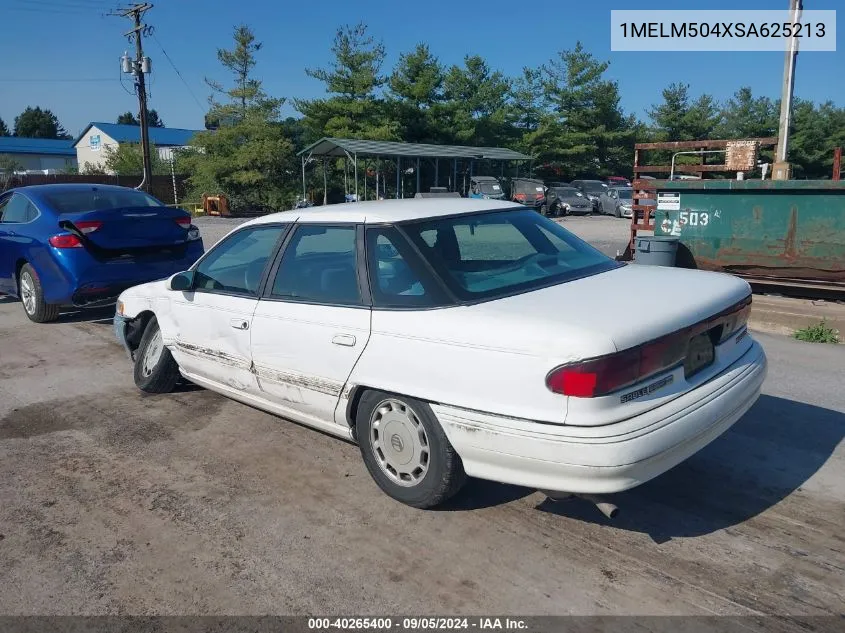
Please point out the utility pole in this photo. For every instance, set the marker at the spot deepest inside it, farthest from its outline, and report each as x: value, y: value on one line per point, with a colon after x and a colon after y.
x: 782, y: 170
x: 139, y: 67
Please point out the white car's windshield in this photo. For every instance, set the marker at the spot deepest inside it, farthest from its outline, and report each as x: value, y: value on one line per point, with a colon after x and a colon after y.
x: 483, y: 255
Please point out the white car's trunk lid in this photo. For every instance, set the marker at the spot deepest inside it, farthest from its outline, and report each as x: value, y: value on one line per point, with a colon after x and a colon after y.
x: 630, y: 305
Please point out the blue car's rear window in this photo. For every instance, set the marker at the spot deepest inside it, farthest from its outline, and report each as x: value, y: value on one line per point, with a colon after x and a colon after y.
x: 96, y: 199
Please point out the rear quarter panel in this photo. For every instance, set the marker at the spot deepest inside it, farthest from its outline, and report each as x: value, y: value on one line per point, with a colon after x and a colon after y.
x: 453, y: 357
x: 29, y: 245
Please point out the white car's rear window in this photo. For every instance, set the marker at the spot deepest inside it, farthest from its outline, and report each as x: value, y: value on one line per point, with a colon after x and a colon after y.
x: 483, y: 255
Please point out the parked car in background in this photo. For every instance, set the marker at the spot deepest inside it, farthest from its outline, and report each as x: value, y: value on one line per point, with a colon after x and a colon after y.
x: 616, y: 201
x: 619, y: 201
x: 81, y: 245
x: 529, y: 191
x: 593, y: 189
x: 555, y: 183
x: 485, y: 187
x: 567, y: 200
x: 618, y: 181
x: 455, y: 337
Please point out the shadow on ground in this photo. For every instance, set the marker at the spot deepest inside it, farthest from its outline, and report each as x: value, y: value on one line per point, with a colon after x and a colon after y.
x: 101, y: 316
x: 765, y: 457
x: 769, y: 454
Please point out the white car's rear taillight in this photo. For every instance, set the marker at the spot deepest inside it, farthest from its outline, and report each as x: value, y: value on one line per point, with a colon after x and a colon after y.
x: 603, y: 375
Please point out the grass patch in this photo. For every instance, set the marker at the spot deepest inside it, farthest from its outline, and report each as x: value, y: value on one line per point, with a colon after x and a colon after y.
x: 819, y: 333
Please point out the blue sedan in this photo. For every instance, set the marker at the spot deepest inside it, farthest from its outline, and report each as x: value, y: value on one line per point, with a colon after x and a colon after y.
x: 81, y: 245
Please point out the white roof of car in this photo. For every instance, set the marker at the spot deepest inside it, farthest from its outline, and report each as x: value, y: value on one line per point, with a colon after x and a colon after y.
x: 387, y: 211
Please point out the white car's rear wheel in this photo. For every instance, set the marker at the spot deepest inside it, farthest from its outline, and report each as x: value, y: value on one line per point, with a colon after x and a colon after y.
x: 406, y: 451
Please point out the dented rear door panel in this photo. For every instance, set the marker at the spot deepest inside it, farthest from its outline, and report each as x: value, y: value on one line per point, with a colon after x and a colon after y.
x: 303, y: 353
x: 212, y: 338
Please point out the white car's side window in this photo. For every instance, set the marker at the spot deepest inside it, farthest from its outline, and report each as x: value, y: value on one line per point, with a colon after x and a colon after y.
x: 320, y: 265
x: 236, y: 264
x: 398, y: 278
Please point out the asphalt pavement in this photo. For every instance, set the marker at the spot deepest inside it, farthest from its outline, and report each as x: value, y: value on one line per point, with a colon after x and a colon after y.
x: 116, y: 502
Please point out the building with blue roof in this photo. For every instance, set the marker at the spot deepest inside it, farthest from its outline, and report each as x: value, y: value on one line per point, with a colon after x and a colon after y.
x: 42, y: 155
x: 90, y: 144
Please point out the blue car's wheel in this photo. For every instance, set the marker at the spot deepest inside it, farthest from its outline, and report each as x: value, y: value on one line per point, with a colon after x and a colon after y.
x: 32, y: 297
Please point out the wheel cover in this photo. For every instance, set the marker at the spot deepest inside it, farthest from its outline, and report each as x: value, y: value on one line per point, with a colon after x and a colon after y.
x: 399, y: 442
x: 152, y: 354
x: 28, y: 293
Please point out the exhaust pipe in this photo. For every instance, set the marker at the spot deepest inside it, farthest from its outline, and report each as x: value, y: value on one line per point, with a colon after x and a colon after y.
x: 604, y: 506
x: 608, y: 509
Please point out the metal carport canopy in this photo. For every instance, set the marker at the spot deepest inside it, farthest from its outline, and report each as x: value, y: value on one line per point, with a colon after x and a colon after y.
x: 341, y: 147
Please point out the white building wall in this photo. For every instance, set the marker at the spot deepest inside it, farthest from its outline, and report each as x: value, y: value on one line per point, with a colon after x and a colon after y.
x: 42, y: 161
x: 91, y: 148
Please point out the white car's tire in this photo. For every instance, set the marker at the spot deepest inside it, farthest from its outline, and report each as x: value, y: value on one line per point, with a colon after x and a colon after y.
x: 406, y: 451
x: 155, y: 369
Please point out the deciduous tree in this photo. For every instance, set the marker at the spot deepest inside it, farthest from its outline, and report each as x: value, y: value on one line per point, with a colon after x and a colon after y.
x: 126, y: 159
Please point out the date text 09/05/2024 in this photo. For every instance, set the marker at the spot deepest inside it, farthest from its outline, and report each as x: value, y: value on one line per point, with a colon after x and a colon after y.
x: 416, y: 623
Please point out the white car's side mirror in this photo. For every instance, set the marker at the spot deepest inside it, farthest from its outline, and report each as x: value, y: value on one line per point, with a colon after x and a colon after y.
x: 181, y: 281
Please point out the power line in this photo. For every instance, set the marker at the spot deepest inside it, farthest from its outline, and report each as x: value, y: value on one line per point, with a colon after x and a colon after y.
x: 67, y: 4
x: 45, y: 6
x: 43, y: 10
x: 164, y: 52
x: 56, y: 79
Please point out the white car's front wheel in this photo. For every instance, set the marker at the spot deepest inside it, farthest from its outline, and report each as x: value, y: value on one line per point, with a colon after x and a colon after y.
x: 155, y: 369
x: 406, y: 451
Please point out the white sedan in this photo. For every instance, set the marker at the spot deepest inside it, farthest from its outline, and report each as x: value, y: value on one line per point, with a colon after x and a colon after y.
x: 454, y: 337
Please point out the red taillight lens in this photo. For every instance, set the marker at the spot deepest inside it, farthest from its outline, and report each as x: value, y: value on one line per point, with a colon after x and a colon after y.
x: 65, y: 241
x: 572, y: 381
x: 600, y: 376
x: 88, y: 226
x: 184, y: 222
x: 606, y: 374
x: 519, y: 196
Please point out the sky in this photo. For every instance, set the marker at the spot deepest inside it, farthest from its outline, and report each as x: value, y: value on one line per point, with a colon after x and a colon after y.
x: 64, y: 54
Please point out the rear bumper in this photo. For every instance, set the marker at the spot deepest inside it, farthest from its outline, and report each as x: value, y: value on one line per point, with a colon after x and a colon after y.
x: 605, y: 459
x: 77, y: 279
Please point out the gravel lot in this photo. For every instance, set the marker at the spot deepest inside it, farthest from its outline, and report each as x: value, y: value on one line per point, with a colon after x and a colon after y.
x: 605, y: 232
x: 113, y: 502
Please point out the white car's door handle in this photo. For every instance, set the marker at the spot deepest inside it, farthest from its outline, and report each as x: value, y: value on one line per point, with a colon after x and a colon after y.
x: 239, y: 324
x: 343, y: 339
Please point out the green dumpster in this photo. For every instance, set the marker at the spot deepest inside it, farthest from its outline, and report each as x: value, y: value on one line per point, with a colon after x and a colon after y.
x: 776, y: 229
